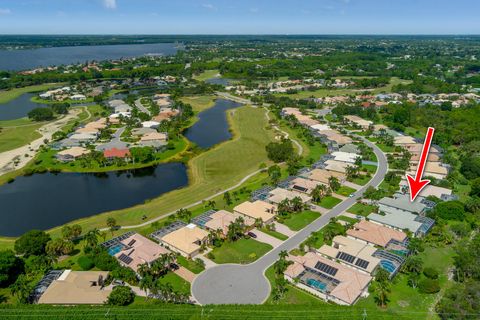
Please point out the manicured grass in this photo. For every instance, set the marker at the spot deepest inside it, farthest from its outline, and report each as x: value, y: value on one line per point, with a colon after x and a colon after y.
x: 178, y: 284
x: 329, y: 202
x: 345, y: 191
x: 7, y: 95
x: 298, y: 221
x: 46, y: 101
x: 274, y: 234
x: 189, y: 264
x: 369, y: 168
x: 347, y: 219
x: 361, y: 209
x: 12, y: 137
x: 240, y: 251
x: 207, y: 74
x: 385, y: 148
x: 199, y: 103
x: 361, y: 180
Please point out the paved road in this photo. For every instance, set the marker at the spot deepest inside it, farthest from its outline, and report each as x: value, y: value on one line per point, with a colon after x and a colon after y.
x: 141, y: 107
x: 246, y: 284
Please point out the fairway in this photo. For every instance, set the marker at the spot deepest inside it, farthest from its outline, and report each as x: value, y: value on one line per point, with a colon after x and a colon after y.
x: 207, y: 74
x: 199, y: 103
x: 210, y: 172
x: 241, y: 251
x: 18, y: 132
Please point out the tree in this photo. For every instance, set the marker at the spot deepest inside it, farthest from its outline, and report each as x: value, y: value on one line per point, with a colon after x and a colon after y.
x: 184, y: 214
x: 146, y: 284
x: 413, y: 264
x: 275, y: 174
x: 381, y: 289
x: 382, y: 275
x: 351, y: 172
x: 121, y: 296
x: 41, y: 114
x: 22, y: 288
x: 71, y: 232
x: 415, y: 245
x: 91, y: 238
x: 318, y: 192
x: 475, y: 190
x: 32, y: 243
x: 227, y: 198
x: 333, y: 183
x: 280, y: 151
x: 112, y: 224
x: 450, y: 210
x: 10, y: 267
x: 236, y: 230
x: 59, y: 247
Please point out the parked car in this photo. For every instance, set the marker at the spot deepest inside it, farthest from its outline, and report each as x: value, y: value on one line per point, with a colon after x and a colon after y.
x: 351, y: 195
x: 253, y: 235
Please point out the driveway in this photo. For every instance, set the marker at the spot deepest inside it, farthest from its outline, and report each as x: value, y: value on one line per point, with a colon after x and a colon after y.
x: 246, y: 284
x: 283, y: 229
x: 266, y: 238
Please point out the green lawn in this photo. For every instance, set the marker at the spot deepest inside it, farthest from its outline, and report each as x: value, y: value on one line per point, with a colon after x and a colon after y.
x: 7, y: 95
x: 17, y: 133
x: 361, y: 209
x: 385, y: 148
x: 199, y: 103
x: 347, y: 219
x: 369, y: 168
x: 274, y: 234
x: 46, y: 101
x: 241, y: 251
x: 329, y: 202
x: 189, y: 264
x: 345, y: 191
x: 178, y: 283
x: 207, y: 74
x: 298, y: 221
x: 361, y: 180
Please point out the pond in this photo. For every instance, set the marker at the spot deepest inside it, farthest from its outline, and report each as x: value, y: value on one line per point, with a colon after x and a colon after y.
x: 33, y: 58
x: 43, y: 201
x: 212, y: 127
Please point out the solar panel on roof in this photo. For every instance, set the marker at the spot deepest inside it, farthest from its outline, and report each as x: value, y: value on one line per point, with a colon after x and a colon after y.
x: 326, y: 268
x: 299, y: 188
x: 125, y: 259
x: 362, y: 263
x: 131, y: 242
x: 345, y: 257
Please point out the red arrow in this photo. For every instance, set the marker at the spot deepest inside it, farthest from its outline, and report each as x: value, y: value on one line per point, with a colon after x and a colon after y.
x: 416, y: 185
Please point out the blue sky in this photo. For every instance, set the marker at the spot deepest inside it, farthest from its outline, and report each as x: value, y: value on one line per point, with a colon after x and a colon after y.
x: 239, y: 17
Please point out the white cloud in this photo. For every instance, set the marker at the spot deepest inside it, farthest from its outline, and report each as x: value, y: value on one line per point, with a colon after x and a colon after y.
x: 209, y: 6
x: 5, y: 11
x: 110, y: 4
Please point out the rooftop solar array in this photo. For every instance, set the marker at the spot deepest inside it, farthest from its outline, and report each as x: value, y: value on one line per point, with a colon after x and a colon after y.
x: 159, y: 234
x: 345, y: 257
x: 202, y: 219
x: 114, y: 241
x: 300, y: 188
x: 326, y: 268
x: 261, y: 194
x: 43, y: 284
x: 125, y: 259
x: 362, y: 263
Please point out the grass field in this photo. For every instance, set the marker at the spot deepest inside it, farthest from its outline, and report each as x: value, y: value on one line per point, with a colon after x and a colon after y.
x: 7, y: 95
x: 347, y: 219
x: 329, y: 202
x: 207, y: 74
x: 199, y: 103
x: 241, y: 251
x: 361, y: 180
x: 189, y: 264
x: 274, y: 234
x: 210, y: 172
x: 37, y: 99
x: 177, y: 283
x: 361, y: 209
x: 18, y: 132
x: 321, y: 93
x: 345, y: 191
x: 298, y: 221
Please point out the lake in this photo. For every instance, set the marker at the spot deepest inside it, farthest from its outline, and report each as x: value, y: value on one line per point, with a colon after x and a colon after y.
x: 15, y: 60
x: 44, y: 201
x: 212, y: 127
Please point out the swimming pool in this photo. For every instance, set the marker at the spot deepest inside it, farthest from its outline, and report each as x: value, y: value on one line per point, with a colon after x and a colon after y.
x: 388, y: 265
x: 317, y: 284
x: 113, y: 250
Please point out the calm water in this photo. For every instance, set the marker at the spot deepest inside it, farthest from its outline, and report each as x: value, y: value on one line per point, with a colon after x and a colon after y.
x: 19, y: 107
x: 217, y: 80
x: 212, y: 128
x: 43, y: 201
x: 43, y: 57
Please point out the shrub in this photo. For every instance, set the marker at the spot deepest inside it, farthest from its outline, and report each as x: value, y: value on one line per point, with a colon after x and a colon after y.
x: 430, y: 273
x: 429, y: 286
x: 85, y: 263
x: 103, y: 260
x: 121, y: 296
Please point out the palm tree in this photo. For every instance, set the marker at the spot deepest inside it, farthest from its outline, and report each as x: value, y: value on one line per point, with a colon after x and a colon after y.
x: 145, y: 284
x: 91, y: 238
x: 333, y: 183
x: 413, y: 264
x: 381, y: 289
x: 22, y: 288
x: 143, y: 269
x: 296, y: 204
x: 112, y: 224
x: 350, y: 172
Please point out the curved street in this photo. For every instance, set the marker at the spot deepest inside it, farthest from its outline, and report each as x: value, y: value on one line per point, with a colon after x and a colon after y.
x: 246, y: 284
